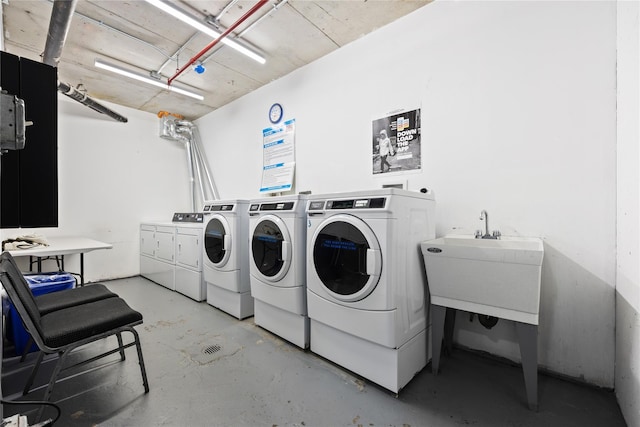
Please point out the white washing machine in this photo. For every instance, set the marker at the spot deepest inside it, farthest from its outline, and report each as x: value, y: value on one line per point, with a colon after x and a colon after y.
x: 226, y: 262
x: 367, y: 294
x: 277, y: 233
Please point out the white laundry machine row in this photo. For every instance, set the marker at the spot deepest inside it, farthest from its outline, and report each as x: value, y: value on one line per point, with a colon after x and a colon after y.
x: 367, y: 295
x: 171, y: 254
x: 277, y: 236
x: 226, y: 262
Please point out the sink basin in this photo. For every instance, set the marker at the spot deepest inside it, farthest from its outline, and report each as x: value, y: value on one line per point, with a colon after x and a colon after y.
x: 498, y: 278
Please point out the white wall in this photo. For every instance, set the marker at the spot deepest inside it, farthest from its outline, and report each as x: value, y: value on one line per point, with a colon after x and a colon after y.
x: 519, y: 118
x: 627, y: 373
x: 112, y: 176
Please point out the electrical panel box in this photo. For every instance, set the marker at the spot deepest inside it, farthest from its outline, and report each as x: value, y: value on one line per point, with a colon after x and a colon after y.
x: 12, y: 123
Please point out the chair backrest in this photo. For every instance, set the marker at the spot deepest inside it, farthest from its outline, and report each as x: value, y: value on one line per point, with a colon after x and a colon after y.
x: 20, y: 295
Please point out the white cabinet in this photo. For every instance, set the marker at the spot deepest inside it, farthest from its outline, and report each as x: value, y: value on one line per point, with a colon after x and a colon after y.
x: 157, y: 254
x: 147, y: 240
x: 165, y: 243
x: 189, y: 280
x: 189, y: 247
x: 171, y: 256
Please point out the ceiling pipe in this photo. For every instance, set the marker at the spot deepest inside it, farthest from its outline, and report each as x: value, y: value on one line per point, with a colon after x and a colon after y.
x: 250, y: 12
x: 59, y: 25
x: 250, y: 27
x: 82, y: 98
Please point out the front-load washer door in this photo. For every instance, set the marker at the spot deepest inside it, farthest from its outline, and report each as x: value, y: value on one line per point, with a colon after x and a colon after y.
x: 271, y: 248
x: 217, y: 241
x: 346, y: 257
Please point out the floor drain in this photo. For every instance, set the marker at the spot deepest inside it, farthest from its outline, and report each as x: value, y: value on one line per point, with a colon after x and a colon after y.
x: 212, y: 349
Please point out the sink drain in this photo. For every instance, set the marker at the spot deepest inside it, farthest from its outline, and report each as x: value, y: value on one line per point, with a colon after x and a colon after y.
x: 212, y: 349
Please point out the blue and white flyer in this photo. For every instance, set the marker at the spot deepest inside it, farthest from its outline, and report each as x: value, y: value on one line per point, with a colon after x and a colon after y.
x: 278, y: 154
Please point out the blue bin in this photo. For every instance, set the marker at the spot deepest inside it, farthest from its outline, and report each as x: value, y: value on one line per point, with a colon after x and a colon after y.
x: 41, y: 283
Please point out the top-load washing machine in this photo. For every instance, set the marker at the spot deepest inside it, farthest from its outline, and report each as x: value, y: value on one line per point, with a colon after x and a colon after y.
x: 226, y: 262
x: 367, y: 296
x: 277, y: 239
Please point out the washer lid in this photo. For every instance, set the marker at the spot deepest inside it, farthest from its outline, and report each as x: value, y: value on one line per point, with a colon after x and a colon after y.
x: 346, y: 257
x: 271, y: 248
x: 217, y: 240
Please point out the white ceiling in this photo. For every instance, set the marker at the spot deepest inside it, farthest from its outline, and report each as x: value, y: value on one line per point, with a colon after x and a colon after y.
x: 139, y: 37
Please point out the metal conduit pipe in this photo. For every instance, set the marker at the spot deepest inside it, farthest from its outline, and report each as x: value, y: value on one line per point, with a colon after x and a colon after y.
x: 250, y: 12
x: 82, y: 98
x: 58, y: 29
x: 203, y: 161
x: 59, y: 24
x: 174, y: 57
x: 249, y: 28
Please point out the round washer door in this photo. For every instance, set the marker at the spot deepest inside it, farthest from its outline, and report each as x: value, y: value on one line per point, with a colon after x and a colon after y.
x: 271, y: 248
x: 346, y: 257
x: 217, y: 240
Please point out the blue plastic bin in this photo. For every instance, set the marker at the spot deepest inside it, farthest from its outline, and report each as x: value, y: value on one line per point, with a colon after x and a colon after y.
x: 41, y: 283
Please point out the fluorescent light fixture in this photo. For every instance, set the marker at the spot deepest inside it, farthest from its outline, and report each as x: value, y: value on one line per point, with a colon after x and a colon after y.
x: 141, y: 77
x: 187, y: 18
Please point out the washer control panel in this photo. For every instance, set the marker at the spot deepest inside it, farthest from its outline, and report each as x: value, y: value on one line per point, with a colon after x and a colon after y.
x: 196, y: 217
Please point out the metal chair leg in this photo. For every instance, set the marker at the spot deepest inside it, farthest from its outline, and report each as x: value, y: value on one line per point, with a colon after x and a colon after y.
x: 32, y: 376
x: 25, y: 352
x: 54, y: 376
x: 136, y: 338
x: 119, y: 336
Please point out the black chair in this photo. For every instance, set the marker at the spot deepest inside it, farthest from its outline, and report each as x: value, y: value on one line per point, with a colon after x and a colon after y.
x: 54, y: 301
x: 59, y: 300
x: 64, y: 330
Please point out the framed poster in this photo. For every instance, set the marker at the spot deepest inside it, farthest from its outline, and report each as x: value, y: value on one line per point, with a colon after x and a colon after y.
x: 396, y: 143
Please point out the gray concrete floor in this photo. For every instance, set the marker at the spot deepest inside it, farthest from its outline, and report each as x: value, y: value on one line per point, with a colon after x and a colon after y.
x: 256, y: 379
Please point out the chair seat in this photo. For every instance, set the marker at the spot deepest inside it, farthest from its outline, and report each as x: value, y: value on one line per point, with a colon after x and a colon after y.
x: 71, y: 297
x: 64, y: 327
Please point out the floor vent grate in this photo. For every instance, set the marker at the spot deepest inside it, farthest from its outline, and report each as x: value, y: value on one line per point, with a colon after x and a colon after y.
x: 212, y: 349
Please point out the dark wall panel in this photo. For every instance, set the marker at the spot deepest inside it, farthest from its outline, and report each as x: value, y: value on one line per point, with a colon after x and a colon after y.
x: 29, y: 177
x: 39, y: 159
x: 10, y: 168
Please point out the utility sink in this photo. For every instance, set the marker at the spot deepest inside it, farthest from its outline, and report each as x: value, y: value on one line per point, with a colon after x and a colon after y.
x: 495, y: 277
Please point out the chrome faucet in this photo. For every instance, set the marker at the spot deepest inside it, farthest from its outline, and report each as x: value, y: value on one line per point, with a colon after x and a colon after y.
x: 496, y: 234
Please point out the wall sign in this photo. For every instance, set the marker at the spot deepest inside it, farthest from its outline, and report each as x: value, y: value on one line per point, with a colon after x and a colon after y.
x: 396, y: 143
x: 278, y: 157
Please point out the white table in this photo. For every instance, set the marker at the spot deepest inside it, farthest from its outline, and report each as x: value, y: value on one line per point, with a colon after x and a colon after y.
x: 61, y: 246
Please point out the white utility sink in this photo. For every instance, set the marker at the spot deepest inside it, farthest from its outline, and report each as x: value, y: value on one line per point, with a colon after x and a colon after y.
x: 499, y: 278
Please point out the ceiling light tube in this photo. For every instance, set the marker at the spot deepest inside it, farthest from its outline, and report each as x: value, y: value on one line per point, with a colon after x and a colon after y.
x: 187, y: 18
x: 141, y: 77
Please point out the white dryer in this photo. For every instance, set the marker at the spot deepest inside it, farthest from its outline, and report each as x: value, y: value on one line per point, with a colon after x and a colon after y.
x: 188, y: 254
x: 367, y: 295
x: 226, y: 262
x: 277, y: 233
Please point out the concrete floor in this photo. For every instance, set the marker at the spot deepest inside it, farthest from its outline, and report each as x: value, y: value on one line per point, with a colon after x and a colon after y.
x: 256, y: 379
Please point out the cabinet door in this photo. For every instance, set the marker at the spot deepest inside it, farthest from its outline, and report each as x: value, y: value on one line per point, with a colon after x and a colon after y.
x: 165, y: 245
x: 188, y: 249
x: 147, y: 242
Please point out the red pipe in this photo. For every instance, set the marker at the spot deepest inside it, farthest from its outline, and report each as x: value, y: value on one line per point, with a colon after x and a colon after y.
x: 251, y: 11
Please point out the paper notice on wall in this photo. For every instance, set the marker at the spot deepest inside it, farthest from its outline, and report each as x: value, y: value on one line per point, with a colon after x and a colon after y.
x: 278, y: 154
x: 396, y: 142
